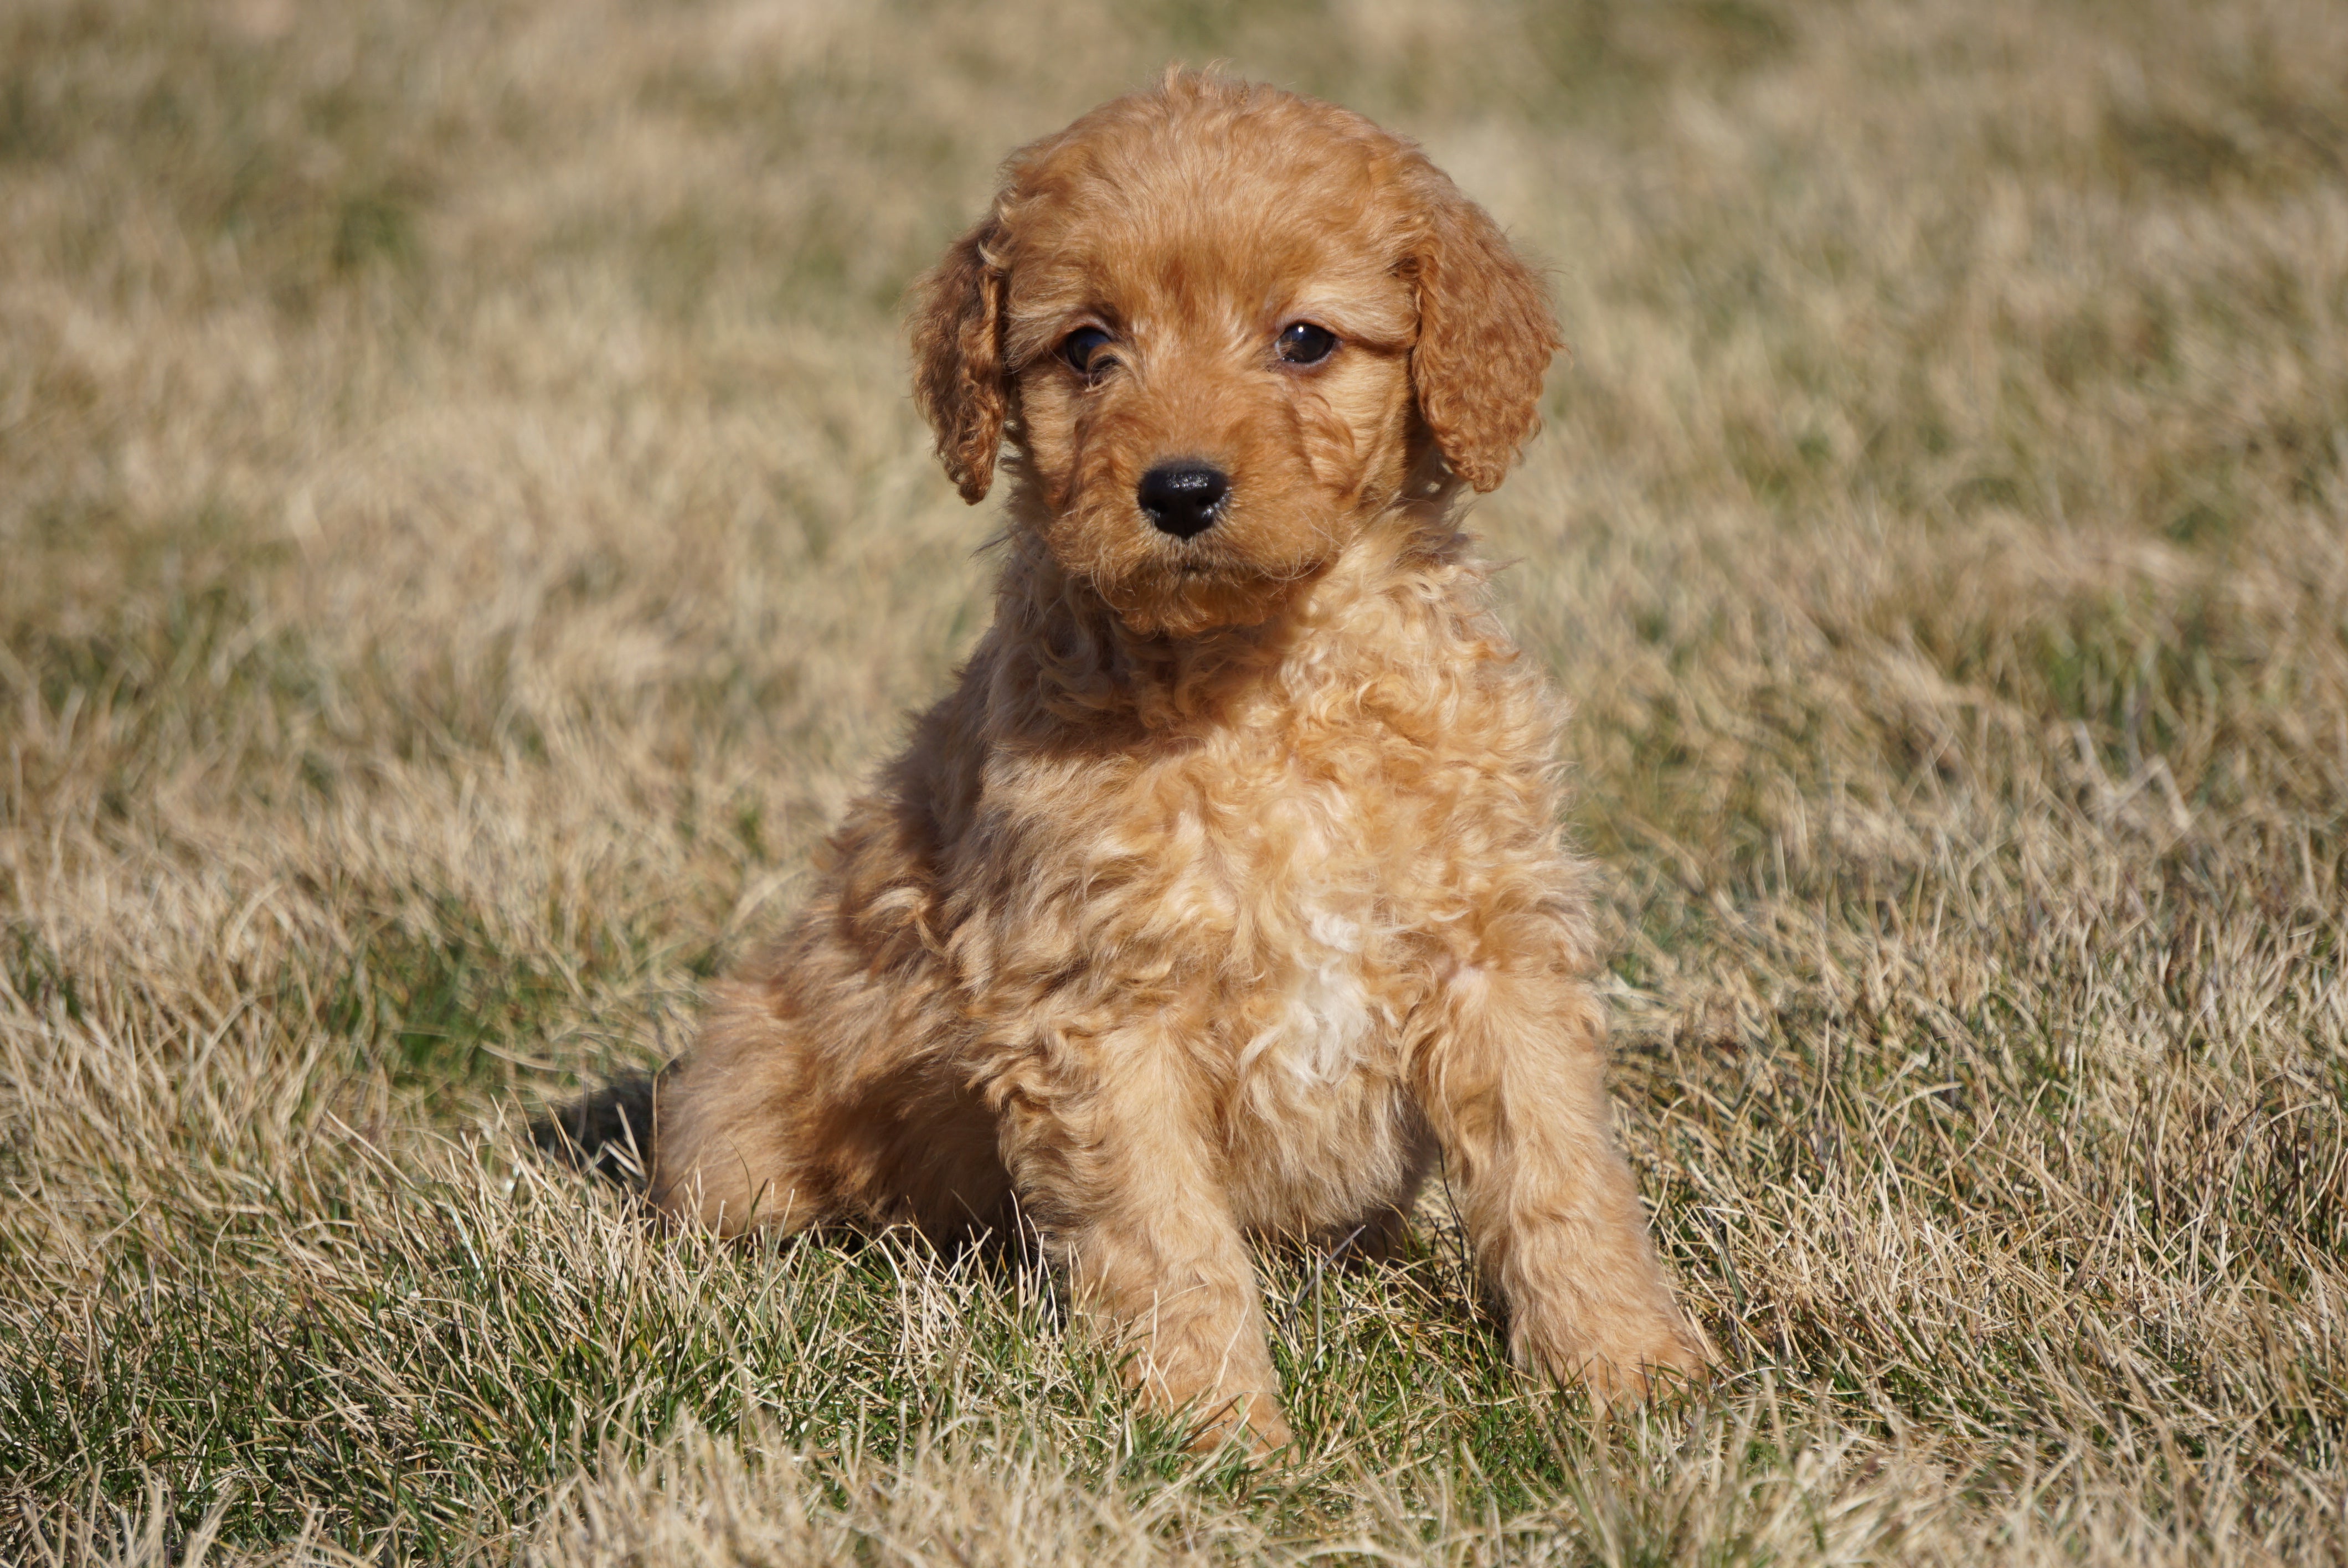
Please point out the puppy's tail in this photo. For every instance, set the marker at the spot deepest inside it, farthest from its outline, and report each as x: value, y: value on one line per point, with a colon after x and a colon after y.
x: 608, y: 1132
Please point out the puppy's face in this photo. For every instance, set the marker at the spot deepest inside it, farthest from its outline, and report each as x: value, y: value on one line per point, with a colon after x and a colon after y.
x: 1220, y: 324
x: 1209, y: 347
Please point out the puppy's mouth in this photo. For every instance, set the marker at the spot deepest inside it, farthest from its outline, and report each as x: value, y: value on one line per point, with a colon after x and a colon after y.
x: 1214, y: 555
x: 1202, y: 585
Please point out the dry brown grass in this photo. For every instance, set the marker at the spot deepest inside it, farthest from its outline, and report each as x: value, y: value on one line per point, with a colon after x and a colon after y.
x: 463, y: 535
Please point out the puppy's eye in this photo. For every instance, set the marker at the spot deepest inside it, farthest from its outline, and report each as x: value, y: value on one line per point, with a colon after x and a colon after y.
x: 1082, y: 349
x: 1302, y: 342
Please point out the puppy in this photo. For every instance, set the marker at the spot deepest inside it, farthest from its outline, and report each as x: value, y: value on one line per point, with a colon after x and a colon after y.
x: 1224, y: 893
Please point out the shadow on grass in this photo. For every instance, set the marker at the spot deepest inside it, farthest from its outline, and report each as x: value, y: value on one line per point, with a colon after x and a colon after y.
x: 607, y: 1133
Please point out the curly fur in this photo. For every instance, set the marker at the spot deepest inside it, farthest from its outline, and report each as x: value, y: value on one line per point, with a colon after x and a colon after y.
x: 1225, y: 890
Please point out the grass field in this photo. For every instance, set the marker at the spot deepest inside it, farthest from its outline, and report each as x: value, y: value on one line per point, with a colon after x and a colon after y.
x: 464, y: 534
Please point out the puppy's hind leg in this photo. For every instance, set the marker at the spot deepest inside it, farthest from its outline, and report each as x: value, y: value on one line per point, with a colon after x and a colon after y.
x: 735, y: 1124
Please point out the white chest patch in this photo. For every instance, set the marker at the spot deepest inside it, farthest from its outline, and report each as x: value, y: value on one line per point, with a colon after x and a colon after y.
x: 1324, y: 1014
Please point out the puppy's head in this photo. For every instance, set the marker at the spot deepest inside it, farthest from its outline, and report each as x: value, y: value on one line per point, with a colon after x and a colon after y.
x: 1220, y: 324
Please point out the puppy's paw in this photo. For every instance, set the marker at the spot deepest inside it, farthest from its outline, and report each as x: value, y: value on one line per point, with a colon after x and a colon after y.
x: 1630, y: 1364
x: 1252, y: 1421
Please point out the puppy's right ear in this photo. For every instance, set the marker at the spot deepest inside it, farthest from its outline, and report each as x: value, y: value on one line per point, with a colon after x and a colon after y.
x: 959, y: 380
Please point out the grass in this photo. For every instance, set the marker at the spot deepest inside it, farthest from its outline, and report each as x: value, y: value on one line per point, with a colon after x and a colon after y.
x: 463, y: 535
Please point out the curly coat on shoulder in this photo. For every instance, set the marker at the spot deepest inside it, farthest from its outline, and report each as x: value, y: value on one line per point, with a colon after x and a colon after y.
x: 1225, y: 890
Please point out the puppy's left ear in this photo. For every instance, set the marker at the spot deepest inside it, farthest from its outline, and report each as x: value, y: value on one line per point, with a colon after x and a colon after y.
x: 959, y: 380
x: 1485, y: 336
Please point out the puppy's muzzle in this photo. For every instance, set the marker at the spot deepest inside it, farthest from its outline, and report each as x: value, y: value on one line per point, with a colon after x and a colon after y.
x: 1183, y: 497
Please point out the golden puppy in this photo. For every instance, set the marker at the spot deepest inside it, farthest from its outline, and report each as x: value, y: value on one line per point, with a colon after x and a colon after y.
x: 1225, y: 890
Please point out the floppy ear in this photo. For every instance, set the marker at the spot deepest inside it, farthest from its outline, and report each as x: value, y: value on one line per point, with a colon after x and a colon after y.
x: 1485, y: 336
x: 959, y: 383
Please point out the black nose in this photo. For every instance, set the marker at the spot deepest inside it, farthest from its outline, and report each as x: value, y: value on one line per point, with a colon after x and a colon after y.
x: 1183, y: 497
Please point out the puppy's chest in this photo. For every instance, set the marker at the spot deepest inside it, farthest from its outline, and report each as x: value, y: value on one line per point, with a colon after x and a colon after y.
x: 1315, y: 990
x: 1327, y: 873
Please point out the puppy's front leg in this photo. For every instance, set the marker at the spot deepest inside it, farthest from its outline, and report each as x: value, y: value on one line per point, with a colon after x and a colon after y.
x: 1514, y: 1085
x: 1112, y: 1159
